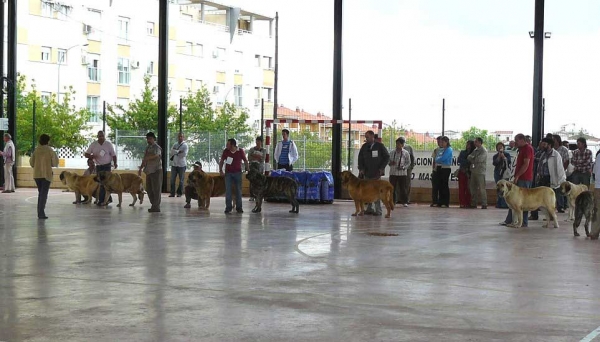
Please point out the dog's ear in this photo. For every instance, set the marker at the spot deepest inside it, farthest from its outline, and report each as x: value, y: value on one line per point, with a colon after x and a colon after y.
x: 509, y: 185
x: 567, y: 187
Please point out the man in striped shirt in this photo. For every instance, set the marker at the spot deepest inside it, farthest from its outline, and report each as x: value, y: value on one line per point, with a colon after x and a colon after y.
x: 582, y: 161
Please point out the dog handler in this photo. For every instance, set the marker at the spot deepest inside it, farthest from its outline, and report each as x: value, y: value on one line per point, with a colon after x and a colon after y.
x: 152, y: 166
x: 102, y: 152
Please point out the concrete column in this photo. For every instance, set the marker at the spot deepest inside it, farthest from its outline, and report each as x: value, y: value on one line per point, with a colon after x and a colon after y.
x: 202, y: 12
x: 251, y: 26
x: 271, y: 28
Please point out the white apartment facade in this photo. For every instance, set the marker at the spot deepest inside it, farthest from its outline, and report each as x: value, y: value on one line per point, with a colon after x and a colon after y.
x: 104, y: 48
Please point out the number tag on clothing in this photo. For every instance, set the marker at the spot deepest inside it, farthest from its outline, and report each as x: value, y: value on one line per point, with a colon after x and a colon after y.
x: 374, y: 154
x: 102, y: 153
x: 229, y: 160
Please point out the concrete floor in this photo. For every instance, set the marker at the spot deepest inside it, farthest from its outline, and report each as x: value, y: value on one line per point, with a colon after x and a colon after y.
x: 110, y: 274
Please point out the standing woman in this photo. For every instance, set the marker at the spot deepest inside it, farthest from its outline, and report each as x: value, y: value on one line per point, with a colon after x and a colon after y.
x: 9, y: 160
x: 464, y: 195
x: 502, y: 165
x: 443, y: 162
x: 42, y: 161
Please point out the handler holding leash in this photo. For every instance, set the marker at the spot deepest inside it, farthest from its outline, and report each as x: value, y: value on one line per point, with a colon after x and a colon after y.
x: 102, y: 152
x: 372, y: 160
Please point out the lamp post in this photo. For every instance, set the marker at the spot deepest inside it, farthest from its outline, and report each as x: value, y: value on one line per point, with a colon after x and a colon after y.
x: 60, y: 61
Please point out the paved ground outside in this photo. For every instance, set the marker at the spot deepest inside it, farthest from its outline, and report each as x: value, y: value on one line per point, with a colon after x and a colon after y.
x: 427, y: 274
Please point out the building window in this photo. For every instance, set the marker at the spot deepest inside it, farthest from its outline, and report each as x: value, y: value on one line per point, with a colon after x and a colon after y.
x: 239, y: 61
x: 267, y: 94
x: 150, y: 68
x: 307, y: 127
x: 123, y: 102
x: 188, y: 84
x: 95, y: 20
x: 267, y: 62
x: 199, y: 85
x: 93, y: 68
x: 199, y: 50
x: 237, y: 92
x: 124, y: 70
x: 63, y: 11
x: 257, y: 61
x: 47, y: 9
x: 94, y: 107
x: 46, y: 53
x: 218, y: 90
x: 123, y: 28
x: 221, y: 54
x: 150, y: 28
x: 62, y: 56
x: 45, y: 97
x: 189, y: 48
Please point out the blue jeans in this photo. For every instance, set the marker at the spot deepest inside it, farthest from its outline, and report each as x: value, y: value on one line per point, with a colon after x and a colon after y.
x: 509, y: 218
x: 177, y: 171
x: 500, y: 201
x: 237, y: 179
x: 560, y: 199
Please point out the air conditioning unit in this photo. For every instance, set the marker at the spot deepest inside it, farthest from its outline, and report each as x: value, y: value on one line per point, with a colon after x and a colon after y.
x: 256, y: 102
x: 135, y: 64
x: 84, y: 60
x: 215, y: 54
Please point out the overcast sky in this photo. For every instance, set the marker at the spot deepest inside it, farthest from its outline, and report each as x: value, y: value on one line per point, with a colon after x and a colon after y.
x: 401, y: 57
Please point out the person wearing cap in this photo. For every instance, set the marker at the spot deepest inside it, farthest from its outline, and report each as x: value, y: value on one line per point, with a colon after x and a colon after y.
x: 9, y: 160
x: 257, y: 155
x: 152, y: 167
x: 190, y: 190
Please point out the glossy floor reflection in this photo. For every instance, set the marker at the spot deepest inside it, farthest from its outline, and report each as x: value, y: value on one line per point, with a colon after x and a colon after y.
x: 110, y: 274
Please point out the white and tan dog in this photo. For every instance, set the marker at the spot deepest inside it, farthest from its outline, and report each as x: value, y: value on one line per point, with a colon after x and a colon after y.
x: 572, y: 191
x: 522, y: 199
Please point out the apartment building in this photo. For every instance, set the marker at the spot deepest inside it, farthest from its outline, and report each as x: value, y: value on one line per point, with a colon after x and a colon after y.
x: 104, y: 48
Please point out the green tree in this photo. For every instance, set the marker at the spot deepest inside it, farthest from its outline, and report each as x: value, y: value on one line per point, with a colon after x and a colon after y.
x: 314, y: 153
x: 489, y: 140
x: 64, y: 123
x: 135, y: 120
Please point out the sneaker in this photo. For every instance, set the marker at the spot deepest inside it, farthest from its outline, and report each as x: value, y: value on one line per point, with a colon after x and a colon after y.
x: 443, y: 206
x: 252, y: 199
x: 562, y: 211
x: 227, y: 211
x: 484, y: 207
x: 377, y: 214
x: 503, y: 223
x: 171, y: 195
x: 178, y: 195
x: 151, y: 210
x: 405, y: 205
x: 187, y: 206
x: 433, y: 205
x: 240, y: 211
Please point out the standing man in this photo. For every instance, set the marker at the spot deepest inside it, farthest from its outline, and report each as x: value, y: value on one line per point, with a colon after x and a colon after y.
x: 561, y: 201
x: 286, y: 152
x: 582, y: 161
x: 372, y: 160
x: 152, y: 167
x: 551, y: 172
x: 42, y: 161
x: 478, y: 161
x: 178, y: 157
x: 523, y: 174
x: 435, y: 179
x: 9, y: 160
x: 102, y: 152
x: 257, y: 155
x: 411, y: 153
x: 232, y: 157
x: 399, y: 163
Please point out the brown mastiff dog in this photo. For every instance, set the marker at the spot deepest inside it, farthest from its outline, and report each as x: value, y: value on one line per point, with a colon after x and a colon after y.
x: 208, y: 186
x: 263, y: 186
x: 84, y: 186
x: 522, y: 199
x: 120, y: 183
x: 367, y: 191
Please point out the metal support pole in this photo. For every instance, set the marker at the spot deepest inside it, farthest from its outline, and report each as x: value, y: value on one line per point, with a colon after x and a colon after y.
x: 538, y: 65
x: 543, y: 125
x: 275, y: 87
x: 11, y: 58
x: 262, y: 117
x: 180, y: 115
x: 163, y: 82
x: 104, y: 117
x: 2, y: 23
x: 443, y: 116
x: 336, y: 155
x: 33, y: 129
x: 349, y: 134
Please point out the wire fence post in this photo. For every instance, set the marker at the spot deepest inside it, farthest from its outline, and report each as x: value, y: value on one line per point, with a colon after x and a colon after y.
x: 304, y: 153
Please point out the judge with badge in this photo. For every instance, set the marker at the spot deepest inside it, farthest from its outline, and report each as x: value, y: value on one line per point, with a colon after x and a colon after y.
x: 372, y: 160
x: 232, y: 157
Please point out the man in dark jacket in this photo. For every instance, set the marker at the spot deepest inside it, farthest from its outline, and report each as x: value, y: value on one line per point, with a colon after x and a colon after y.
x: 372, y: 160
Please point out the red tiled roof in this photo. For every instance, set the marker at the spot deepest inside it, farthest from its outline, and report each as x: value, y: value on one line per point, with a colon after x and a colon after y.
x: 299, y: 114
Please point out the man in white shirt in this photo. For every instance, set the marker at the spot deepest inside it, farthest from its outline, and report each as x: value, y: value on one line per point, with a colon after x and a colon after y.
x: 102, y: 152
x: 286, y: 152
x: 9, y: 160
x: 596, y: 223
x: 178, y: 157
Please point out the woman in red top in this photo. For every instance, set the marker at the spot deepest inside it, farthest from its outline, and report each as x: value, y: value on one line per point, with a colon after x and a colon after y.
x: 232, y: 157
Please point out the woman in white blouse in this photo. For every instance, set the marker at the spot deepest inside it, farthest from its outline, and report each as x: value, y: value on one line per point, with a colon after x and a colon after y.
x: 399, y: 164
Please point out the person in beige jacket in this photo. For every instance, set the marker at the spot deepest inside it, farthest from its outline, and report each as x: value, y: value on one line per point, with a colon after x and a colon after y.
x: 478, y: 159
x: 42, y: 161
